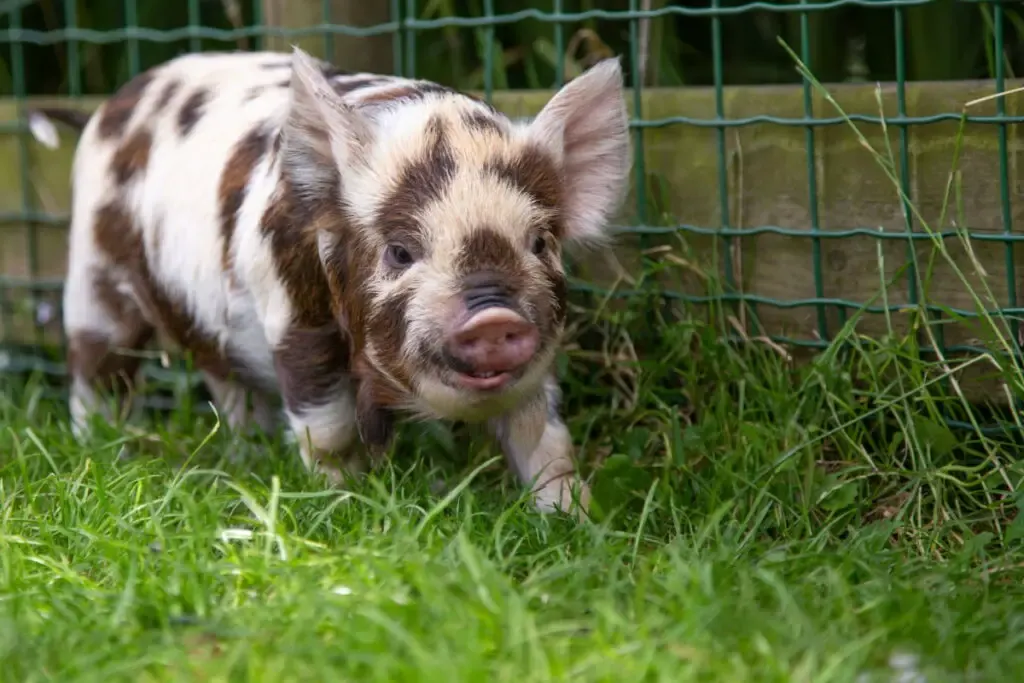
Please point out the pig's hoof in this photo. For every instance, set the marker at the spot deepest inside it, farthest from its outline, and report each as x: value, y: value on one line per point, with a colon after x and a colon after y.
x: 339, y: 471
x: 566, y: 495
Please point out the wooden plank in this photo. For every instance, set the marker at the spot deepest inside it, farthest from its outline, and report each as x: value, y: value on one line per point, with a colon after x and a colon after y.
x: 767, y: 180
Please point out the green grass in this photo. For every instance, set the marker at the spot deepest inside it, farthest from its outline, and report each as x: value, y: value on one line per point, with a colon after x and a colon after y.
x: 715, y: 557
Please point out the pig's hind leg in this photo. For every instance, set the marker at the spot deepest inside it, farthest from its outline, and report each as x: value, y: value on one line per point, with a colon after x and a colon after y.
x: 105, y: 331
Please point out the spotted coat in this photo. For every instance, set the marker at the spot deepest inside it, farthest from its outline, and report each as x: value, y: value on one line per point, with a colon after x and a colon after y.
x: 311, y: 235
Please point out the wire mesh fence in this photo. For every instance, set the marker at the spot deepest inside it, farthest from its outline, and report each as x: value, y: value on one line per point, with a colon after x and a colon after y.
x: 46, y: 38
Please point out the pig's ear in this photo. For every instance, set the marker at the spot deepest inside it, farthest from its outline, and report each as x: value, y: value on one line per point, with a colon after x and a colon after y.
x: 322, y: 133
x: 586, y: 126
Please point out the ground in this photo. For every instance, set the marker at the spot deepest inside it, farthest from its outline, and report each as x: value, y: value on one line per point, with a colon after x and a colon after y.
x: 753, y: 521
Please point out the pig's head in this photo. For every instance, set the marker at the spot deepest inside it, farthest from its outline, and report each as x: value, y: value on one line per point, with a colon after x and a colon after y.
x: 445, y: 250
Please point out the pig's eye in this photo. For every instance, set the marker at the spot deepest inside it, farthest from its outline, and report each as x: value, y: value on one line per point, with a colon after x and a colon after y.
x: 397, y: 256
x: 539, y: 245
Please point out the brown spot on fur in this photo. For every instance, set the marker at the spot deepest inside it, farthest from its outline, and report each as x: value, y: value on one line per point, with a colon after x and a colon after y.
x: 330, y: 71
x: 422, y: 182
x: 406, y: 92
x: 349, y: 266
x: 428, y: 88
x: 311, y: 365
x: 485, y: 249
x: 116, y: 303
x: 489, y: 255
x: 560, y: 292
x: 346, y: 85
x: 132, y: 157
x: 117, y: 238
x: 374, y: 418
x: 481, y: 101
x: 93, y: 358
x: 391, y: 95
x: 258, y: 90
x: 291, y: 224
x: 328, y: 297
x: 233, y: 182
x: 98, y: 357
x: 167, y: 95
x: 389, y: 324
x: 534, y: 173
x: 192, y: 110
x: 482, y: 122
x: 118, y: 110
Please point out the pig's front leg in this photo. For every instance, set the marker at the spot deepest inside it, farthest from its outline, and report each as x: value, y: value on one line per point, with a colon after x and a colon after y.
x: 320, y: 400
x: 539, y: 448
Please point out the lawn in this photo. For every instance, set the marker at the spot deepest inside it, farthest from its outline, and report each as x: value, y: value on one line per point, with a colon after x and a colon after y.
x: 754, y: 521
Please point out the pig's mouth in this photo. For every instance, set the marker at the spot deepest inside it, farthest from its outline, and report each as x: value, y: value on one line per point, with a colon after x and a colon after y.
x: 491, y: 377
x: 491, y: 349
x: 485, y: 380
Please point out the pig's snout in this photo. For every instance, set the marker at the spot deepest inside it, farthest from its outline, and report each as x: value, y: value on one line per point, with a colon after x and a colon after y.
x: 492, y: 345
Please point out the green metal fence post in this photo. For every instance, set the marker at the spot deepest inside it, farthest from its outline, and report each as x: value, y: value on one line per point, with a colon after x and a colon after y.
x: 489, y: 52
x: 559, y: 44
x: 194, y: 42
x: 904, y: 162
x: 18, y: 77
x: 410, y: 39
x: 325, y: 10
x: 1004, y: 172
x: 812, y: 180
x: 396, y: 37
x: 131, y: 20
x: 257, y: 20
x: 732, y: 293
x: 74, y: 65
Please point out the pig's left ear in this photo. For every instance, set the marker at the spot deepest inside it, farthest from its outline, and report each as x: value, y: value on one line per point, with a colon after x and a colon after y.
x: 321, y: 134
x: 586, y: 126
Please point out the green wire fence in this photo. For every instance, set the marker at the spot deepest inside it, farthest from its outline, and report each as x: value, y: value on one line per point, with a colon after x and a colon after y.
x: 79, y: 40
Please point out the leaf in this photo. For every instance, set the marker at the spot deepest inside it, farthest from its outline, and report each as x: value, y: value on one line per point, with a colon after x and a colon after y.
x: 1015, y: 531
x: 636, y: 441
x: 837, y: 494
x: 618, y: 482
x: 975, y: 545
x: 937, y: 437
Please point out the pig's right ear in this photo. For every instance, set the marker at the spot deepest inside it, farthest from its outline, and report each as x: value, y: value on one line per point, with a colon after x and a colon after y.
x: 322, y: 134
x: 585, y: 126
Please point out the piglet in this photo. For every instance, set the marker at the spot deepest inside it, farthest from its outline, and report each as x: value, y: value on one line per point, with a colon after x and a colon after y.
x: 359, y: 246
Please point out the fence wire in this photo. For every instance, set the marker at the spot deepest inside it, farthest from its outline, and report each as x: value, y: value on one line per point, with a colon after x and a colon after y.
x: 405, y: 26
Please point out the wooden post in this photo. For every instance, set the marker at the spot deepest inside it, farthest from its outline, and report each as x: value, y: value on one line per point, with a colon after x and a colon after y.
x: 351, y: 53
